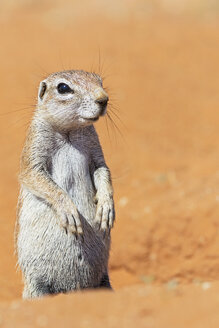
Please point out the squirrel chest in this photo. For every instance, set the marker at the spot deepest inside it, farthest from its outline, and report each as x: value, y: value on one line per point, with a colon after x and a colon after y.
x: 70, y: 169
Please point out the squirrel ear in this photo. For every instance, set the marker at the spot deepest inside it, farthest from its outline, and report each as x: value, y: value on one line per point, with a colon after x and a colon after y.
x: 42, y: 90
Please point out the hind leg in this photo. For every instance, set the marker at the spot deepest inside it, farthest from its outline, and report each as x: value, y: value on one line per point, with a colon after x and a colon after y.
x: 105, y: 282
x: 34, y: 290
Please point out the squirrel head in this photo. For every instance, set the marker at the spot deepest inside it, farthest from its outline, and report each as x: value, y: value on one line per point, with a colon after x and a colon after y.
x: 72, y: 98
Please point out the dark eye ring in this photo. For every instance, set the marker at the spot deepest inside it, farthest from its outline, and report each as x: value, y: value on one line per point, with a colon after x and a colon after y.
x: 64, y: 88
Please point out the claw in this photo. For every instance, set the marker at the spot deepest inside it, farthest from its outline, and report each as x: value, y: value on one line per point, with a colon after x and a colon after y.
x: 111, y: 218
x: 81, y: 237
x: 98, y: 217
x: 79, y: 230
x: 72, y: 229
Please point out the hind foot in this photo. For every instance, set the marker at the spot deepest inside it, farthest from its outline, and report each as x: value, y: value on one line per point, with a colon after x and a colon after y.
x: 32, y: 291
x: 105, y: 282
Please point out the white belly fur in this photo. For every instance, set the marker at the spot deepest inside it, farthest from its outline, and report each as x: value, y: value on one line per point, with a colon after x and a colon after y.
x: 70, y: 170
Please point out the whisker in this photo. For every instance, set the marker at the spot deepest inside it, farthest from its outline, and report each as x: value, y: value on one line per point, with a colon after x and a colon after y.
x: 20, y: 120
x: 115, y: 125
x: 117, y: 116
x: 112, y: 125
x: 112, y: 109
x: 107, y: 127
x: 113, y: 106
x: 99, y: 62
x: 17, y: 110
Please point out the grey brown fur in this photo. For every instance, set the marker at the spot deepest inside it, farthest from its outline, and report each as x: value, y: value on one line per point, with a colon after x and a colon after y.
x: 66, y: 207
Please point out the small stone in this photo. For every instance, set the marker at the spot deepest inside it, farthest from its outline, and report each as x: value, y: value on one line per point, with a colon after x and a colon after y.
x: 206, y: 285
x: 123, y: 201
x: 148, y: 279
x: 161, y: 178
x: 172, y: 284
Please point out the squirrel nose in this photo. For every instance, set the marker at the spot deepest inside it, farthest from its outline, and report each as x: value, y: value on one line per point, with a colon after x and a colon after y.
x: 101, y: 98
x: 102, y: 101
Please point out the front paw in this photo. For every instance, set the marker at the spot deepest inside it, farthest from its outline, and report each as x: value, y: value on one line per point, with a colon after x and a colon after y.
x: 105, y: 214
x: 69, y: 216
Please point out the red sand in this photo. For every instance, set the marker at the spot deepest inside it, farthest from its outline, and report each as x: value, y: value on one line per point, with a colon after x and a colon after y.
x: 163, y: 74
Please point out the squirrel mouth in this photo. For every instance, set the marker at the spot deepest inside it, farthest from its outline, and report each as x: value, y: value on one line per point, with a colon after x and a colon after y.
x: 92, y: 119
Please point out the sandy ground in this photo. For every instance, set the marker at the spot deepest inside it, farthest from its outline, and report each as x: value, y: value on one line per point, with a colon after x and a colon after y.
x: 160, y: 63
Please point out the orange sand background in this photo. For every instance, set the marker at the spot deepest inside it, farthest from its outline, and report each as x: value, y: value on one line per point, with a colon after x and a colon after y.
x: 160, y: 61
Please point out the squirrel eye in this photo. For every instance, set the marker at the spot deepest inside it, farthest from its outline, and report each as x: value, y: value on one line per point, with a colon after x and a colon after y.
x: 63, y: 88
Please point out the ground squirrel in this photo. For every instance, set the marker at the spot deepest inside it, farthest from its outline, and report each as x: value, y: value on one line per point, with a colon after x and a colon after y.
x: 65, y: 208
